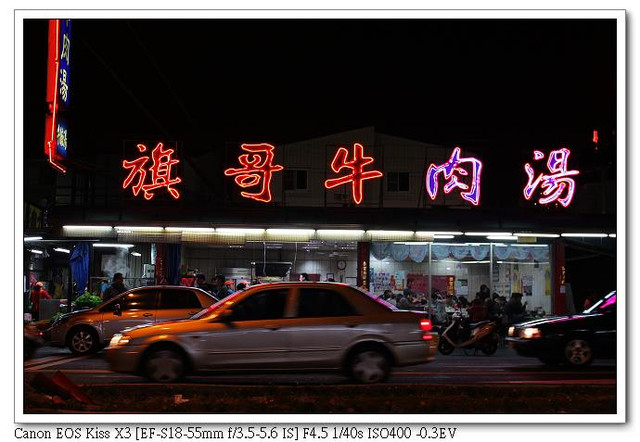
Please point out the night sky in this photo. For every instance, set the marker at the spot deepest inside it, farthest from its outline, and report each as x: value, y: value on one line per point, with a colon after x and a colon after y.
x: 491, y: 86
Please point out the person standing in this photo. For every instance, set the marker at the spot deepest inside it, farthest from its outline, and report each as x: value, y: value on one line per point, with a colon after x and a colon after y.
x: 514, y: 309
x: 117, y: 287
x: 220, y: 289
x: 201, y: 283
x: 38, y: 293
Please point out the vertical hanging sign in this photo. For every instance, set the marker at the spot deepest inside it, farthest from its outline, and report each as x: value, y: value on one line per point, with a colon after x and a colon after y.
x: 57, y: 98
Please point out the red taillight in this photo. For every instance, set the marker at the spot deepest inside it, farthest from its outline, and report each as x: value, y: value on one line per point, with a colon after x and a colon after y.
x: 425, y: 326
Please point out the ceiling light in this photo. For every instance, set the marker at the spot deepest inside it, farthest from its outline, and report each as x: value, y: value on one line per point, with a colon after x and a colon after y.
x: 584, y: 235
x: 118, y: 245
x: 537, y: 235
x: 139, y: 228
x: 87, y: 227
x: 59, y: 249
x: 290, y: 231
x: 239, y: 231
x: 36, y: 251
x: 437, y: 233
x: 136, y: 254
x: 190, y: 229
x: 487, y: 233
x: 502, y: 237
x: 612, y: 235
x: 32, y: 238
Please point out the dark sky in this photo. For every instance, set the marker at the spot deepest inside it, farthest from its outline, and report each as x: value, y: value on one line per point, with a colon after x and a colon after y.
x: 492, y: 86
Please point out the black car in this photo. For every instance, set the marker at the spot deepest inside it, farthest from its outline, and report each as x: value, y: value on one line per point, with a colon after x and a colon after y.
x: 574, y: 340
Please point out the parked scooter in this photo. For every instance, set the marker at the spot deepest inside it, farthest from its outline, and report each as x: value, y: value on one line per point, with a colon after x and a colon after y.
x: 481, y: 336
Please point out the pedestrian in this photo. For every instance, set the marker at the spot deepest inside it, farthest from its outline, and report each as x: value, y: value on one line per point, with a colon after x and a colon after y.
x: 37, y: 294
x: 201, y: 283
x: 117, y: 287
x: 514, y: 309
x: 304, y: 277
x: 408, y: 291
x: 220, y: 289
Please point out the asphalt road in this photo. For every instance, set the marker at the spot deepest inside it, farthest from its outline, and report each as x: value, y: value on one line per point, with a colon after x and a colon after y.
x: 504, y: 368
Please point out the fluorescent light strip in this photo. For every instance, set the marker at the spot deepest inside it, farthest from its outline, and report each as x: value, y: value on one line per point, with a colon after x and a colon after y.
x: 584, y: 235
x: 463, y: 262
x: 290, y: 231
x: 537, y: 235
x: 32, y: 238
x: 136, y: 254
x: 612, y: 235
x: 521, y: 262
x: 438, y: 233
x: 119, y: 245
x: 502, y: 238
x: 36, y: 251
x: 487, y: 233
x: 191, y: 229
x: 140, y: 228
x: 390, y: 232
x: 443, y: 236
x: 238, y: 231
x: 57, y: 249
x: 87, y: 227
x: 528, y: 245
x: 340, y: 232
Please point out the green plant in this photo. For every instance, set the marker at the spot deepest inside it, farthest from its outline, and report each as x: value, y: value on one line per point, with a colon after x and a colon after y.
x: 88, y: 300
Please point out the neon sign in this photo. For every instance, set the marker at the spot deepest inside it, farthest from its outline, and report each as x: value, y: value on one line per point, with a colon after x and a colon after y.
x: 451, y: 169
x: 357, y: 165
x: 160, y: 169
x: 258, y: 169
x: 555, y: 184
x: 57, y: 95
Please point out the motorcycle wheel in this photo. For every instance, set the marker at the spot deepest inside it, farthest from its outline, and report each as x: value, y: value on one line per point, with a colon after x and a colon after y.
x: 445, y: 347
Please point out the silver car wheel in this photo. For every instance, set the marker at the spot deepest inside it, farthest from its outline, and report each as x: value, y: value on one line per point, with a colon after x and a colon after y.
x: 82, y: 341
x: 578, y: 352
x: 369, y: 367
x: 164, y: 366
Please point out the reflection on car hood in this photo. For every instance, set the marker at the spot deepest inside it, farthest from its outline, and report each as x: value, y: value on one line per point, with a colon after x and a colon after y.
x: 554, y: 320
x: 73, y: 313
x: 154, y: 324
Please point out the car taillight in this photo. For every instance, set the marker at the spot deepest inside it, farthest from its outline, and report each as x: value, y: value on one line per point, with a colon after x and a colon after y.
x: 426, y: 327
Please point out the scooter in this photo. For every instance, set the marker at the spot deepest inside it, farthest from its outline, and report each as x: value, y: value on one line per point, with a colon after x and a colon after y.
x: 481, y: 336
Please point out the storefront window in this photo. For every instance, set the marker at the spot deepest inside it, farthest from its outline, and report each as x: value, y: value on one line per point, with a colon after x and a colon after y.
x: 526, y: 269
x: 457, y: 272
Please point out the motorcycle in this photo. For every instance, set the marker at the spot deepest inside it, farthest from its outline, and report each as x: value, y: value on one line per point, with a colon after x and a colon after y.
x: 481, y: 336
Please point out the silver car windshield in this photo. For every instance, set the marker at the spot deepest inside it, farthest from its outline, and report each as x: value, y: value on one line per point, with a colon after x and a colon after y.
x: 209, y: 310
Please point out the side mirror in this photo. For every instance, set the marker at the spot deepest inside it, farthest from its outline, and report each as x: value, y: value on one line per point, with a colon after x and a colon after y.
x: 116, y: 310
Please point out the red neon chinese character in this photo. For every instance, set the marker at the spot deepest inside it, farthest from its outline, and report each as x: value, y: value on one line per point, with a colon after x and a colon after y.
x: 555, y: 184
x: 357, y: 176
x: 256, y: 168
x: 160, y: 169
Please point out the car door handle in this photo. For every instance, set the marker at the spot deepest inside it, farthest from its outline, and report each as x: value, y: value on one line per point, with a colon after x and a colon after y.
x: 351, y: 325
x: 146, y: 315
x: 272, y: 327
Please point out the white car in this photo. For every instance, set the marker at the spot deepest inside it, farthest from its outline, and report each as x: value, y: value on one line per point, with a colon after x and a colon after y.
x: 87, y: 331
x: 281, y: 326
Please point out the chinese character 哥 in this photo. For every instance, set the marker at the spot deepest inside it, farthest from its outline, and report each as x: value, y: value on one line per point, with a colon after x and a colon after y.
x: 452, y: 170
x: 554, y: 185
x: 257, y: 170
x: 160, y: 169
x: 357, y: 175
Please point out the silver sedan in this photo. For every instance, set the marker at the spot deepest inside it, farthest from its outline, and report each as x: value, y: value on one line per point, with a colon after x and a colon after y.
x: 281, y: 326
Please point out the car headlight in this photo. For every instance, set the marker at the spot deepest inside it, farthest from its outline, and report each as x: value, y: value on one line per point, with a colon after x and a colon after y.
x: 119, y: 339
x: 512, y: 331
x: 530, y: 333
